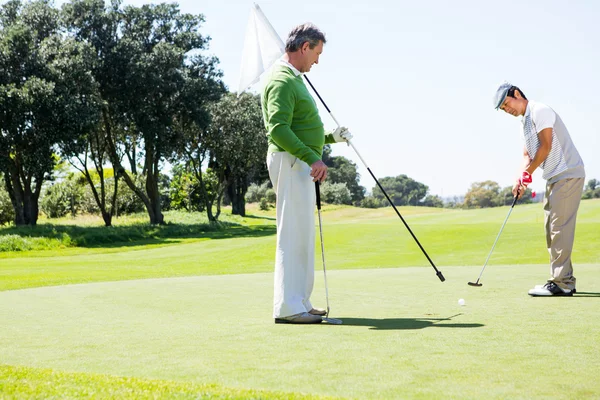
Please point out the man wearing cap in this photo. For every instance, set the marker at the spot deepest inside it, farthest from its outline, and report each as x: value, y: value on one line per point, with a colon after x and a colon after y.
x: 548, y: 145
x: 296, y: 138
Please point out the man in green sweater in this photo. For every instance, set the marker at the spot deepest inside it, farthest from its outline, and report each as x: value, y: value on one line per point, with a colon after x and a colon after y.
x: 296, y: 138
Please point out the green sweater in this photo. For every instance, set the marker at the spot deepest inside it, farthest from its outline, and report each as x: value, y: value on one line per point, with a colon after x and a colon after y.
x: 291, y: 117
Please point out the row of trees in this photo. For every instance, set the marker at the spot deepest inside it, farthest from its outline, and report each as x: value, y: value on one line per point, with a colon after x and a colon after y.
x: 592, y: 189
x: 117, y: 92
x: 125, y: 87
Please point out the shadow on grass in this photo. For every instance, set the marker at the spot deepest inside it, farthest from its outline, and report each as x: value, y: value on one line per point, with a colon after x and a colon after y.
x: 260, y: 217
x: 136, y: 234
x: 405, y: 323
x: 586, y: 294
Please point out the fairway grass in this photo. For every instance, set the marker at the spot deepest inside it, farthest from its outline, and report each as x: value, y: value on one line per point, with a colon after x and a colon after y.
x: 354, y: 238
x: 404, y: 335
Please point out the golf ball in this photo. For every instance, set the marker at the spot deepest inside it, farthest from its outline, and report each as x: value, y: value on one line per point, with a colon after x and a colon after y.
x: 461, y: 302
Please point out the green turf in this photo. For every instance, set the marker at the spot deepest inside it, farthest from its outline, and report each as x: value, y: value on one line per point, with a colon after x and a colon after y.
x: 354, y: 238
x: 37, y: 383
x: 405, y: 335
x: 209, y: 332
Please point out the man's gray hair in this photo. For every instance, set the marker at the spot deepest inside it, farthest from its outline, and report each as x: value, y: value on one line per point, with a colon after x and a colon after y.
x: 302, y: 34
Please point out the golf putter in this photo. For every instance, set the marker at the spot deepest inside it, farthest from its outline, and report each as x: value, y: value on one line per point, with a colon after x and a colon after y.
x: 437, y: 271
x: 476, y: 283
x: 326, y: 319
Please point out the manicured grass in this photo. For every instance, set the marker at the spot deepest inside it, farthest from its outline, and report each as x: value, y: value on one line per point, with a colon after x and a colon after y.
x: 354, y: 238
x: 404, y: 335
x: 24, y: 382
x: 209, y: 333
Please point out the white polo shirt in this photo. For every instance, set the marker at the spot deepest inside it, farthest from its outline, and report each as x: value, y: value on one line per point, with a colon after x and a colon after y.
x: 564, y: 160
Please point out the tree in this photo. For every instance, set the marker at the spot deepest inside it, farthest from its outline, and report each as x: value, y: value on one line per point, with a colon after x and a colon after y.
x: 432, y: 201
x: 63, y: 197
x: 506, y: 197
x: 231, y: 146
x: 342, y: 170
x: 482, y: 195
x: 335, y: 193
x: 46, y: 99
x: 153, y: 82
x: 185, y: 190
x: 592, y: 190
x: 401, y: 189
x: 242, y: 148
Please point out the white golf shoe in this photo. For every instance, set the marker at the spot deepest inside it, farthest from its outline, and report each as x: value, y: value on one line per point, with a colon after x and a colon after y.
x: 550, y: 289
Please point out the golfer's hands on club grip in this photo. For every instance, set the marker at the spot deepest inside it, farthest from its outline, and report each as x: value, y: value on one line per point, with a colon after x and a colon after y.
x: 521, y: 184
x: 318, y: 171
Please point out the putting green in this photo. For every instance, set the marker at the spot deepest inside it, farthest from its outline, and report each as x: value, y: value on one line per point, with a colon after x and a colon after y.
x: 404, y: 334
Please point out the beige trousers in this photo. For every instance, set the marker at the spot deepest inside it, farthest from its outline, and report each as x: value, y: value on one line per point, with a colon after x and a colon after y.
x: 295, y: 253
x: 561, y: 203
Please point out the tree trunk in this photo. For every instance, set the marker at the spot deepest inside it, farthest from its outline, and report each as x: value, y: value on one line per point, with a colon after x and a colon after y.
x: 237, y: 192
x: 15, y: 192
x: 152, y: 176
x: 114, y: 157
x: 25, y: 202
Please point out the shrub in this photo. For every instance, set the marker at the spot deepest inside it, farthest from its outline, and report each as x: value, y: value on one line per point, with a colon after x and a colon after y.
x: 335, y: 193
x: 256, y: 192
x: 271, y: 196
x: 62, y: 198
x: 371, y: 202
x: 7, y: 212
x: 264, y: 204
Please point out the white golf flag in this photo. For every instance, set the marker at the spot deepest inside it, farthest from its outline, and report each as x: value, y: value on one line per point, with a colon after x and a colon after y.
x: 262, y: 47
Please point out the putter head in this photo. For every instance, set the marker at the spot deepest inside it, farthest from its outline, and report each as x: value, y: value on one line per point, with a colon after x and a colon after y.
x: 439, y: 275
x: 475, y: 284
x: 332, y: 321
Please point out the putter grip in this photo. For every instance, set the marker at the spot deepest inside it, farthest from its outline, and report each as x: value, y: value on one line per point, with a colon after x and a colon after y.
x: 318, y: 192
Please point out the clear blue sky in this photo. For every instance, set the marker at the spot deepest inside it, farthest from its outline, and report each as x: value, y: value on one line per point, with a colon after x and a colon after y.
x: 413, y: 80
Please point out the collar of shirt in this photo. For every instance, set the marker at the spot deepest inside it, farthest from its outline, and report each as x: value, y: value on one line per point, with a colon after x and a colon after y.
x: 287, y: 64
x: 527, y: 112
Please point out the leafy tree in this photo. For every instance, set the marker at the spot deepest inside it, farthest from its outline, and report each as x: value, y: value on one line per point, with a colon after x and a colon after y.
x: 432, y: 201
x: 153, y: 82
x: 256, y: 192
x: 62, y: 198
x: 592, y: 190
x: 46, y: 99
x: 482, y: 195
x: 185, y: 190
x: 92, y: 148
x: 401, y: 189
x: 231, y: 146
x: 372, y: 202
x: 342, y: 170
x: 241, y: 147
x: 335, y: 193
x: 506, y: 197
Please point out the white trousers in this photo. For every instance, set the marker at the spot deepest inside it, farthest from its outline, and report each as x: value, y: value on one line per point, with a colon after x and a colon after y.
x: 295, y: 253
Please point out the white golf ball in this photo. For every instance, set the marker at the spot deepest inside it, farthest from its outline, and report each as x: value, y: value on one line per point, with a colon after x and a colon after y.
x: 461, y: 302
